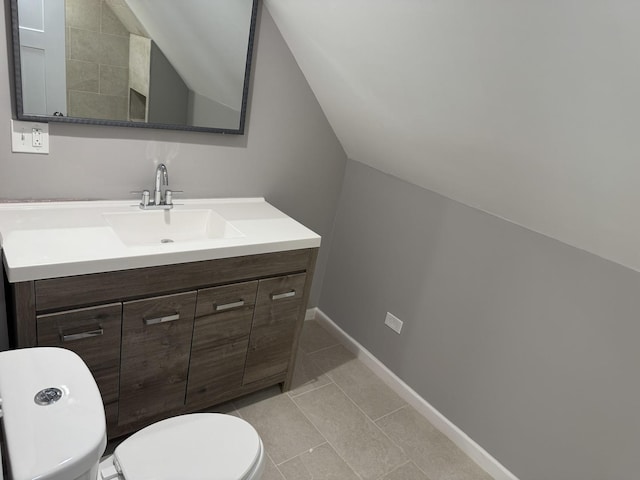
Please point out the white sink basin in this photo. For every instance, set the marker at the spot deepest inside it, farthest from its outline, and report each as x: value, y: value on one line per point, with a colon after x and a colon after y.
x: 58, y: 239
x: 153, y: 227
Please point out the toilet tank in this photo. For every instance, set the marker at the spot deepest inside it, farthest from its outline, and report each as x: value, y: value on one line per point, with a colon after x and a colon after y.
x: 52, y: 415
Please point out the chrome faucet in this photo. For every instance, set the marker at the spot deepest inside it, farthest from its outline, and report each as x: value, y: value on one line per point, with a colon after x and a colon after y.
x: 162, y: 178
x: 162, y: 200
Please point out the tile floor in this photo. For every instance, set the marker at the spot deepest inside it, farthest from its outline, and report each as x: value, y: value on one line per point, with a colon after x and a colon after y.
x: 341, y: 422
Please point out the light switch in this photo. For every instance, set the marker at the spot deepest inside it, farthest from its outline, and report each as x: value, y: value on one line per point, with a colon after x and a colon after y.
x: 29, y: 137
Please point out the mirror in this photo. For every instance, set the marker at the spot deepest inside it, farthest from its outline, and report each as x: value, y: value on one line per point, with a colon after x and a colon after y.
x: 139, y: 63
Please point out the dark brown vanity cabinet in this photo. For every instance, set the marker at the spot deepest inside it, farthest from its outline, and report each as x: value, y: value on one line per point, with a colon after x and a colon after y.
x: 278, y: 306
x: 220, y: 340
x: 156, y: 345
x: 94, y: 333
x: 173, y: 339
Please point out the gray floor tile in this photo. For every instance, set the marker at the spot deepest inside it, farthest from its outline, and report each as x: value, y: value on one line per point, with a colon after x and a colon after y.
x: 320, y: 463
x: 408, y: 471
x: 430, y: 450
x: 271, y: 472
x: 362, y: 386
x: 256, y: 397
x: 314, y: 337
x: 331, y: 358
x: 353, y: 435
x: 306, y: 375
x: 284, y: 430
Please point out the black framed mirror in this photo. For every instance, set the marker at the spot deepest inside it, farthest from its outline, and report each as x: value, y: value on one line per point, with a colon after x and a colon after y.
x: 134, y: 63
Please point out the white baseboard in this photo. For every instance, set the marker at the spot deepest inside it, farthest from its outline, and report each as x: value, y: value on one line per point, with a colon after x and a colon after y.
x: 457, y: 436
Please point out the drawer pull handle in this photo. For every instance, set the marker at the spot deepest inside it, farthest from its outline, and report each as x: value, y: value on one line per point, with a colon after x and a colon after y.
x: 164, y: 319
x: 77, y: 336
x: 278, y: 296
x: 227, y: 306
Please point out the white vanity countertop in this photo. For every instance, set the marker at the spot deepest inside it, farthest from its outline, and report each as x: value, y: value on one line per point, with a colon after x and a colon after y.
x: 58, y: 239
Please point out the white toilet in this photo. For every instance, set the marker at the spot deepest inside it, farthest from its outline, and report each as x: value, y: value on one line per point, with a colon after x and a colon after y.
x: 54, y: 429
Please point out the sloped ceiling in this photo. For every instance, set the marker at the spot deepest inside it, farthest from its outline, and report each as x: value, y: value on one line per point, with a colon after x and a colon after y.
x: 529, y: 110
x: 211, y: 53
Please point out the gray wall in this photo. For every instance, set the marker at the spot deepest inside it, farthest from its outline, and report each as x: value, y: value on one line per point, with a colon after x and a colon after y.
x: 206, y: 112
x: 528, y: 345
x: 289, y: 153
x: 168, y: 94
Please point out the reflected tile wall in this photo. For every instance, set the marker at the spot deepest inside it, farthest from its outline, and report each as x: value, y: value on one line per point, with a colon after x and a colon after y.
x: 97, y: 61
x: 95, y: 105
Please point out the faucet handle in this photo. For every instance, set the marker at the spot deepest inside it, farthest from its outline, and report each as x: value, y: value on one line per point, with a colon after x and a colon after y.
x: 145, y: 198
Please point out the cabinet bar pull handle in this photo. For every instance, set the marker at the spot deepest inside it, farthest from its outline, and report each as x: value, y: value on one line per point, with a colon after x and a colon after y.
x: 166, y: 318
x: 77, y: 336
x: 278, y: 296
x: 227, y: 306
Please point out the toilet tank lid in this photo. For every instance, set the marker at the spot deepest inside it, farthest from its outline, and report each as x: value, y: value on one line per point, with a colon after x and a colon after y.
x: 62, y: 439
x: 190, y: 447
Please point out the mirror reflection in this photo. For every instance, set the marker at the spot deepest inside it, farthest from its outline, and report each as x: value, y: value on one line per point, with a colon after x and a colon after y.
x: 135, y: 62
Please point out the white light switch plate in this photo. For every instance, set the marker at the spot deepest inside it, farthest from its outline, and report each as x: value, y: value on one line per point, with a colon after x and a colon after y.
x: 29, y: 137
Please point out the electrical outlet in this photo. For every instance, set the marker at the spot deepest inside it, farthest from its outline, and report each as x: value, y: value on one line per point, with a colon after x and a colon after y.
x: 36, y: 137
x: 29, y: 137
x: 393, y: 322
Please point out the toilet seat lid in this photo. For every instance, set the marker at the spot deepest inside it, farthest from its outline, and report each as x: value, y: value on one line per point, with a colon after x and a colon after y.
x: 190, y: 447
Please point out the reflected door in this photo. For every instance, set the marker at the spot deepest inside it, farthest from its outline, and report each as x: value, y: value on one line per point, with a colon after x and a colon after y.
x: 42, y: 56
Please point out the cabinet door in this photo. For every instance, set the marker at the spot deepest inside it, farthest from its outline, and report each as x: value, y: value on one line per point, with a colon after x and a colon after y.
x: 277, y: 311
x: 220, y: 340
x: 94, y: 334
x: 156, y: 341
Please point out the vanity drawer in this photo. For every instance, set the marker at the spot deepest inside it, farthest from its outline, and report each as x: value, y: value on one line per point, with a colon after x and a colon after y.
x: 91, y: 289
x: 156, y: 342
x: 224, y: 313
x: 220, y: 340
x: 275, y: 319
x: 94, y: 334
